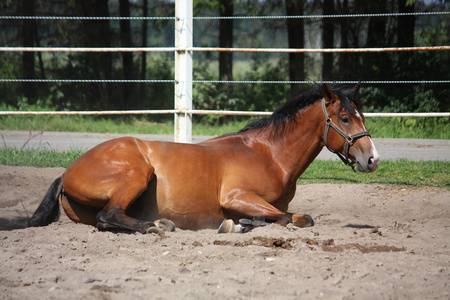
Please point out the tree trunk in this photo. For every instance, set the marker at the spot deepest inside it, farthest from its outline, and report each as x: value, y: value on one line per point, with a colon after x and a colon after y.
x: 143, y: 54
x: 39, y: 54
x: 405, y: 25
x: 376, y: 33
x: 405, y: 38
x: 226, y: 40
x: 296, y: 34
x: 127, y: 57
x: 344, y: 59
x: 104, y: 35
x: 96, y: 33
x: 28, y: 39
x: 375, y: 64
x: 328, y: 40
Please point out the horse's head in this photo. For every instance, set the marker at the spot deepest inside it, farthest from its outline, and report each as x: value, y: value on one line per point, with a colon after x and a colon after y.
x: 345, y: 133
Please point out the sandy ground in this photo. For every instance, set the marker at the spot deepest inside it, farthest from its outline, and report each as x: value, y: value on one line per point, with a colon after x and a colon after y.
x: 369, y: 242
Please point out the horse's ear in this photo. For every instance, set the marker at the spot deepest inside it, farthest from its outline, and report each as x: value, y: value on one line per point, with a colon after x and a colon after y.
x: 328, y: 94
x: 356, y: 87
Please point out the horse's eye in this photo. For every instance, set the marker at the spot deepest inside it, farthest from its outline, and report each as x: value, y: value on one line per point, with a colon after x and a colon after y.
x: 345, y: 120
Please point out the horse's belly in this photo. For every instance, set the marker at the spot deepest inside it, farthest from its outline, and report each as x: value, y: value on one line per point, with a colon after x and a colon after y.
x: 191, y: 207
x: 194, y: 220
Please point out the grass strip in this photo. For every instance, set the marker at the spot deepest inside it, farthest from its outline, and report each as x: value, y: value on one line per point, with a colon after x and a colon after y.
x: 419, y: 128
x: 38, y: 158
x: 396, y: 172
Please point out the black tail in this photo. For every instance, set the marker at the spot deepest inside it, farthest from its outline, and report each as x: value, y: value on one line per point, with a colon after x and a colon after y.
x: 47, y: 212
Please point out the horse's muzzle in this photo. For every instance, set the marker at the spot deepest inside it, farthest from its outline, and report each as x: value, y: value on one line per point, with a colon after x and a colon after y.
x: 370, y: 166
x: 368, y: 163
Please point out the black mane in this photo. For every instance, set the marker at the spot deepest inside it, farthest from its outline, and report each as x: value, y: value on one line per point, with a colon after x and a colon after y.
x: 289, y: 109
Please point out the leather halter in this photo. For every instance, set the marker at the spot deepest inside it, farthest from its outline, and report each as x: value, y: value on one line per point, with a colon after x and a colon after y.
x: 349, y: 139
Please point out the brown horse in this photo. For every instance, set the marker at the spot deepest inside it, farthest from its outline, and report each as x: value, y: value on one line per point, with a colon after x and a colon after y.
x: 127, y: 183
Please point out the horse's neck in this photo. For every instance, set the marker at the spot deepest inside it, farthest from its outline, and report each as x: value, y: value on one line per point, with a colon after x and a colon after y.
x: 300, y: 143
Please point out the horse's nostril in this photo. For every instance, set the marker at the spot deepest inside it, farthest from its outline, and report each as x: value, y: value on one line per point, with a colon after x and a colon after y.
x: 370, y: 162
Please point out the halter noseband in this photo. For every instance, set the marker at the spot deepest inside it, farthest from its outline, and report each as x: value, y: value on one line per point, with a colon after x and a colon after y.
x: 349, y: 139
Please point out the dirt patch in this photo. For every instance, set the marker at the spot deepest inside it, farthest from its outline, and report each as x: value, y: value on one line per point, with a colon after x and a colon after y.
x: 368, y: 242
x: 260, y: 241
x: 361, y: 248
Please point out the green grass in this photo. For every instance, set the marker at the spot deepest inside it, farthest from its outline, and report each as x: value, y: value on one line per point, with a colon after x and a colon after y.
x: 110, y: 125
x: 38, y: 158
x: 84, y: 124
x: 420, y: 128
x: 400, y: 172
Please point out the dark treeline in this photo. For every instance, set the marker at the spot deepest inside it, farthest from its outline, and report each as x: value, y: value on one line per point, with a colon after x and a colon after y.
x: 401, y: 31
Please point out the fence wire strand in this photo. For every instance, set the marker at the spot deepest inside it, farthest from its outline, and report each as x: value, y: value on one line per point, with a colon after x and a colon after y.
x: 321, y: 82
x: 431, y: 13
x: 229, y: 81
x: 91, y: 80
x: 112, y: 18
x: 82, y: 18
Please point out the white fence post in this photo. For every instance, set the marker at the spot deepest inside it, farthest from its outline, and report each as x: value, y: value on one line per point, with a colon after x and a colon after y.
x: 183, y: 70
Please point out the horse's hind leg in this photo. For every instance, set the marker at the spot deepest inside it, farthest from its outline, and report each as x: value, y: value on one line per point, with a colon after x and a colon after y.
x: 122, y: 196
x: 79, y: 213
x: 116, y: 219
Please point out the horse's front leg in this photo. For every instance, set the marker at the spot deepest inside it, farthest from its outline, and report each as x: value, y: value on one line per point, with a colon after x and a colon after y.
x: 248, y: 204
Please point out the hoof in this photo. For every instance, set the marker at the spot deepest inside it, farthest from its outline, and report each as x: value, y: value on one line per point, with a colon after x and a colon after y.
x: 309, y: 221
x: 228, y: 226
x: 165, y: 224
x: 255, y: 222
x: 302, y: 220
x: 155, y: 229
x: 103, y: 226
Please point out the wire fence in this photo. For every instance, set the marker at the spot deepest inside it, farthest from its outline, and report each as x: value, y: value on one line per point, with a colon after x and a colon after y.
x: 228, y: 81
x: 112, y: 18
x: 216, y: 49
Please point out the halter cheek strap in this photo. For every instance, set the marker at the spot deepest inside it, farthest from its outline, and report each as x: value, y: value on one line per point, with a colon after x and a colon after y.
x: 349, y: 139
